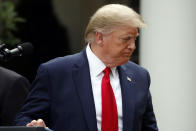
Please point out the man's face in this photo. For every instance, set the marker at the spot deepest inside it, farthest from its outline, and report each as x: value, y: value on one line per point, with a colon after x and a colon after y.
x: 119, y: 45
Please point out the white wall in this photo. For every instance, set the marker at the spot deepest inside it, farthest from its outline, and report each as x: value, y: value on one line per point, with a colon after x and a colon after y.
x: 168, y: 51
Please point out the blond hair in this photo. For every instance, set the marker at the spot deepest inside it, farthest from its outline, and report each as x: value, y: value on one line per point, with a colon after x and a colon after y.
x: 110, y: 16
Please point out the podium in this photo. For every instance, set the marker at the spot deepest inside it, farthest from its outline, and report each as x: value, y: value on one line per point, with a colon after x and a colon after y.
x: 21, y: 128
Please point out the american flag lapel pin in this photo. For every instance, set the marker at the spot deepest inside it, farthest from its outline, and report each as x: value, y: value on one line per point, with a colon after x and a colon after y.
x: 128, y: 78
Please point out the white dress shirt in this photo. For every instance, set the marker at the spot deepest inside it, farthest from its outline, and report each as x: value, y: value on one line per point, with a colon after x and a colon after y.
x: 96, y: 67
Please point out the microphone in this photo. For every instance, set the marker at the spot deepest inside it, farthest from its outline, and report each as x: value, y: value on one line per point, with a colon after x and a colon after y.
x: 22, y: 49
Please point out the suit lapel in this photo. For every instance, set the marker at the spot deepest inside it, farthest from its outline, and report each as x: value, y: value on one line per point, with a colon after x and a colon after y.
x: 81, y: 76
x: 127, y: 89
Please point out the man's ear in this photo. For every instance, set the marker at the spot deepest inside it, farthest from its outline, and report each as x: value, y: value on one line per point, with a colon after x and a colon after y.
x: 99, y: 38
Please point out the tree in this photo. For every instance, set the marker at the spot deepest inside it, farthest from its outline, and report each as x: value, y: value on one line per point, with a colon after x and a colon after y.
x: 8, y: 23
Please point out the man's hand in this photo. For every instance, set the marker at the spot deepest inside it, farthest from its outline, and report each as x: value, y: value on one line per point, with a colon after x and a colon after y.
x: 38, y: 122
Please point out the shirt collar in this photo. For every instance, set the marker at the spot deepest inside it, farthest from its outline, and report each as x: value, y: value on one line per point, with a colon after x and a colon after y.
x: 95, y: 64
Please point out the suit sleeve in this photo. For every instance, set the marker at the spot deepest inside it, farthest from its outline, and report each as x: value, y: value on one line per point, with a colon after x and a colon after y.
x: 149, y: 120
x: 38, y: 102
x: 14, y: 99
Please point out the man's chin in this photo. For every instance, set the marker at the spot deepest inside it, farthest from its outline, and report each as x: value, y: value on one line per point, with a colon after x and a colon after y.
x: 122, y: 62
x: 117, y: 62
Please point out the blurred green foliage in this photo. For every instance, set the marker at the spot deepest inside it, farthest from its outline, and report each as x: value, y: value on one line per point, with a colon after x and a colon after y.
x: 8, y: 23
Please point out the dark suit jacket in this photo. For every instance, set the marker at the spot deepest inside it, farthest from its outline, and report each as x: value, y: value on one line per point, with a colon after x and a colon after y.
x: 62, y: 96
x: 13, y: 91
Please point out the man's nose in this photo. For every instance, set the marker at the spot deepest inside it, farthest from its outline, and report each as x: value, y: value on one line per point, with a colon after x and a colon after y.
x: 132, y: 46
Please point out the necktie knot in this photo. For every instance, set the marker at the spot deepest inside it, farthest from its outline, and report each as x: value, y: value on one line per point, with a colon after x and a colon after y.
x: 107, y: 71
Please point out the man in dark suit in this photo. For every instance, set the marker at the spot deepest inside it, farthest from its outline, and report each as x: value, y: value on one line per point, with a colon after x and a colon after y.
x: 13, y: 91
x: 98, y: 89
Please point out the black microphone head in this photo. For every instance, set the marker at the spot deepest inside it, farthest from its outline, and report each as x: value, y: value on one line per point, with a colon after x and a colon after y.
x: 26, y: 48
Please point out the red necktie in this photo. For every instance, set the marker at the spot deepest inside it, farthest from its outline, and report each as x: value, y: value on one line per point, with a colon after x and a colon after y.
x: 109, y: 108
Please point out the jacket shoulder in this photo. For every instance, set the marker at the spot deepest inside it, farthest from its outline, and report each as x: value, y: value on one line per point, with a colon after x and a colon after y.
x: 134, y: 67
x: 65, y: 62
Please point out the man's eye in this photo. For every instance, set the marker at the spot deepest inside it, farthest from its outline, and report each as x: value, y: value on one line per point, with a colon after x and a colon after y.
x: 126, y: 38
